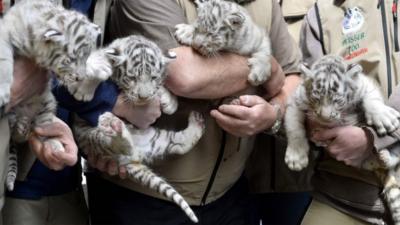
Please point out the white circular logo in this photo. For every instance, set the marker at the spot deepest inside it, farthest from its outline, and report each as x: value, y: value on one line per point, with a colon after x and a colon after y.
x: 352, y: 21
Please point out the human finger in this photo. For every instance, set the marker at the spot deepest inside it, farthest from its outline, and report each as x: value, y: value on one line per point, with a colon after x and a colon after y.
x: 236, y: 111
x: 112, y: 168
x: 251, y: 100
x: 123, y: 173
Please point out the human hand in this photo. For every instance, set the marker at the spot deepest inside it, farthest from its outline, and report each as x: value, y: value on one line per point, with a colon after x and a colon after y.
x: 106, y: 165
x: 26, y: 74
x: 252, y: 115
x: 275, y: 83
x: 141, y: 116
x: 55, y: 160
x: 349, y: 144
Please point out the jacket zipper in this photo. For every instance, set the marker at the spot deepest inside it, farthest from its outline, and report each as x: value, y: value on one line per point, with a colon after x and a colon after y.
x: 215, y: 170
x: 395, y: 24
x: 387, y: 53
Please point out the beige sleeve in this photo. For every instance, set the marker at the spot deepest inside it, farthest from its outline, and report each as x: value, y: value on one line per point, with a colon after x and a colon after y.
x: 310, y: 42
x: 284, y: 47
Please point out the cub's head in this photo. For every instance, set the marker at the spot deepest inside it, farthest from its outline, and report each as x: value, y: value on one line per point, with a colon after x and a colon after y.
x: 330, y: 87
x: 67, y: 43
x: 217, y: 22
x: 139, y: 66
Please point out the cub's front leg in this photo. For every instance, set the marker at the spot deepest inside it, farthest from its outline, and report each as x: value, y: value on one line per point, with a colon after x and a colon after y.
x: 6, y: 70
x: 168, y: 101
x: 98, y: 69
x: 296, y: 156
x: 184, y: 33
x: 260, y: 64
x: 384, y: 118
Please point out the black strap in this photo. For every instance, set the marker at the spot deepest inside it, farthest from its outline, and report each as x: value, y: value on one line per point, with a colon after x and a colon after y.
x: 214, y: 172
x: 321, y: 33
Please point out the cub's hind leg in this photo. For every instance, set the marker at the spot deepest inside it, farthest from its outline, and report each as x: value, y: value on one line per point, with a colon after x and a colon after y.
x: 183, y: 141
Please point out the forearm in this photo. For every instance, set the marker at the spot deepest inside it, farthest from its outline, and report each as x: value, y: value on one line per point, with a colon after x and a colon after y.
x: 289, y: 87
x: 194, y: 76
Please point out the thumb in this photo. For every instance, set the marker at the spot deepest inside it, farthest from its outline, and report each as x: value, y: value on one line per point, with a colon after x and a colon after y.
x: 325, y: 135
x: 251, y: 100
x: 68, y: 158
x: 35, y: 143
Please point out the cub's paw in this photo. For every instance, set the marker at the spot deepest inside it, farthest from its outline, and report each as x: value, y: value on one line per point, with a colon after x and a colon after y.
x: 171, y: 108
x: 258, y: 73
x: 184, y: 33
x: 22, y: 130
x: 296, y: 159
x: 169, y: 103
x: 384, y: 118
x: 55, y: 145
x: 116, y: 132
x: 198, y: 120
x: 388, y: 159
x: 111, y: 125
x: 85, y: 90
x: 4, y: 94
x: 80, y: 95
x: 98, y: 67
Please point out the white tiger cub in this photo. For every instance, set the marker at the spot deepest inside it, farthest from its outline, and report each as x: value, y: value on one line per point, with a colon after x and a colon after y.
x: 226, y: 26
x: 57, y: 40
x: 334, y: 93
x: 137, y: 66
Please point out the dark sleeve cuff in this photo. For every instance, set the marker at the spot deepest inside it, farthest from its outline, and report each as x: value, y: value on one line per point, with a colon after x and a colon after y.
x: 104, y: 100
x: 383, y: 142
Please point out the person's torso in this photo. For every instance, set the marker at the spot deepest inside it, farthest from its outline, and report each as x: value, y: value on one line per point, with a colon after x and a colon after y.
x: 362, y: 32
x: 191, y: 173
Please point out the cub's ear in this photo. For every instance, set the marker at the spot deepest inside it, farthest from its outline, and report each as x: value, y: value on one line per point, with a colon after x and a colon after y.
x: 115, y: 56
x: 353, y: 70
x: 53, y: 35
x: 305, y: 71
x: 235, y: 20
x: 199, y: 2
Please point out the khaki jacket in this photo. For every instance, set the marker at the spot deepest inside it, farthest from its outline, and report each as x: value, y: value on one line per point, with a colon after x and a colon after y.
x: 217, y: 153
x: 294, y: 11
x: 368, y: 37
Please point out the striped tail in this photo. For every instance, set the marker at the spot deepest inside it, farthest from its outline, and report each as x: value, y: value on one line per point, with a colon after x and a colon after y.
x: 145, y: 176
x: 391, y: 193
x: 12, y: 169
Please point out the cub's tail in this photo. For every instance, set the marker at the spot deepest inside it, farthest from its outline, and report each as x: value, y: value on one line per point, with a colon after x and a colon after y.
x: 391, y: 193
x: 145, y: 176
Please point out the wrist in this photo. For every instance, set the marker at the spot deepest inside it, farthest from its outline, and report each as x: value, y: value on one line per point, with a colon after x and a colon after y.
x: 119, y: 109
x: 370, y: 140
x: 276, y: 126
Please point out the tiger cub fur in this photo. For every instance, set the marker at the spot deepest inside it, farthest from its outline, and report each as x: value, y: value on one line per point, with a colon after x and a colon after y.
x: 57, y: 40
x: 137, y: 66
x: 226, y: 26
x: 336, y: 94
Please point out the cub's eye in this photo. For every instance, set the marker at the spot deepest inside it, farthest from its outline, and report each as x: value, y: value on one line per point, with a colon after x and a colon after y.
x: 340, y: 102
x: 223, y: 29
